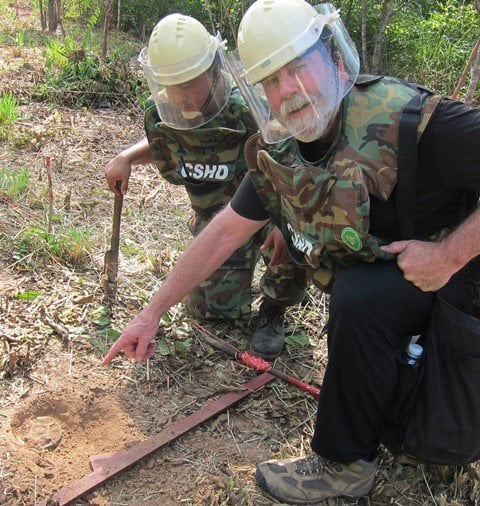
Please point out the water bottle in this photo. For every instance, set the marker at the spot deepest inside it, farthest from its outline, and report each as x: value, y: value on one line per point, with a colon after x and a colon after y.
x: 414, y: 353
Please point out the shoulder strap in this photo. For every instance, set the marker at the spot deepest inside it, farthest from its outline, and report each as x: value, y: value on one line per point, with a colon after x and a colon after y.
x: 367, y: 79
x: 407, y: 162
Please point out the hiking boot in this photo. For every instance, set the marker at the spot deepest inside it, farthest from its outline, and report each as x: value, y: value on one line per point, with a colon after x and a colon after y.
x: 312, y: 479
x: 269, y: 337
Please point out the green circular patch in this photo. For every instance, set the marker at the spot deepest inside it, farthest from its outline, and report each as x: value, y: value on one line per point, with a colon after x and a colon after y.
x: 351, y: 238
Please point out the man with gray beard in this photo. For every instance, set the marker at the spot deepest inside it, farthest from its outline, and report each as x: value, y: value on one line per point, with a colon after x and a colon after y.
x: 324, y: 170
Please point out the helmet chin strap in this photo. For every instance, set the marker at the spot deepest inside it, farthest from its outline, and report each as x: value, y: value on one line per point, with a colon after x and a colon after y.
x: 190, y: 115
x: 209, y: 97
x: 337, y: 78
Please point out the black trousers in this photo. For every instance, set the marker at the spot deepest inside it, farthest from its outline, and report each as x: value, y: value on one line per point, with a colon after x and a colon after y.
x: 374, y: 312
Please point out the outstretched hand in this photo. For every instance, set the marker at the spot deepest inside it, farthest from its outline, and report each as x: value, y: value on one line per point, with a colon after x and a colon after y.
x: 136, y: 340
x: 422, y: 263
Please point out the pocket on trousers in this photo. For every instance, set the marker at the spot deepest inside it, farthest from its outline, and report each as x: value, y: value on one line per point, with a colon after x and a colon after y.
x: 444, y: 425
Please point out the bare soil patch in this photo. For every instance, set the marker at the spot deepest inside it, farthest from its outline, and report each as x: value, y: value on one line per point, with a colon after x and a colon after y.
x: 59, y: 407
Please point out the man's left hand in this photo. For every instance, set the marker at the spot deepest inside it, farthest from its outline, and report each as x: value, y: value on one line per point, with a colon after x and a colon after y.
x: 422, y: 263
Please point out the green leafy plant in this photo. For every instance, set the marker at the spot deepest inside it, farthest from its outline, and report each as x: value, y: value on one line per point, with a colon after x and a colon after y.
x: 20, y: 39
x: 27, y: 296
x: 77, y: 77
x: 79, y: 10
x: 105, y: 334
x: 13, y: 182
x: 8, y: 114
x: 104, y: 338
x: 71, y: 244
x: 83, y: 79
x: 300, y: 340
x: 56, y: 52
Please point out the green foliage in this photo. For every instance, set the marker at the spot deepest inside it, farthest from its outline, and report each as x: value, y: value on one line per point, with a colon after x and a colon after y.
x: 299, y: 340
x: 27, y: 296
x: 426, y: 41
x: 140, y: 16
x: 85, y: 80
x: 70, y: 244
x: 20, y: 39
x: 105, y: 334
x: 79, y: 10
x: 8, y: 114
x: 89, y: 36
x: 77, y: 77
x: 432, y: 50
x: 56, y: 51
x: 13, y: 182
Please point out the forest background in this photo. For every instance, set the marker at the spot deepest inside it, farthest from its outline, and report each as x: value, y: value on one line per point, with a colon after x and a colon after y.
x: 426, y: 41
x: 71, y: 97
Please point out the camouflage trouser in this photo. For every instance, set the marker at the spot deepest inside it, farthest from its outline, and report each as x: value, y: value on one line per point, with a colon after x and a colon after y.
x: 227, y: 293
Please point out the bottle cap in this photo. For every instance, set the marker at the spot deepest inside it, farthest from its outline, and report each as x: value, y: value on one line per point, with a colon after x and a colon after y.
x: 415, y: 350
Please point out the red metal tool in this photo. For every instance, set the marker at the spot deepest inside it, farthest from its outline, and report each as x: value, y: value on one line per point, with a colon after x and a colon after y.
x: 108, y: 465
x: 254, y: 362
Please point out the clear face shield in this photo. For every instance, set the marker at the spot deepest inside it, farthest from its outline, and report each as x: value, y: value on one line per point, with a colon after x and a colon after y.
x: 301, y: 98
x: 196, y: 101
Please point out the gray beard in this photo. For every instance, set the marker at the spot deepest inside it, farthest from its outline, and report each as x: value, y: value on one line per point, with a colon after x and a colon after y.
x: 310, y: 128
x: 315, y: 130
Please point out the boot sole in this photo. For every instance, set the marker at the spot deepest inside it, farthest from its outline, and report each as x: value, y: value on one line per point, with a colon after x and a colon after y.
x: 360, y: 501
x: 264, y: 356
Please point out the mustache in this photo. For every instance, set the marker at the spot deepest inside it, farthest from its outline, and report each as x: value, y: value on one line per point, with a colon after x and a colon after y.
x: 296, y: 102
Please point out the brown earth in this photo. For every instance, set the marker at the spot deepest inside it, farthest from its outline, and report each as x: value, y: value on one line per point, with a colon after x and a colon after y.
x: 59, y: 406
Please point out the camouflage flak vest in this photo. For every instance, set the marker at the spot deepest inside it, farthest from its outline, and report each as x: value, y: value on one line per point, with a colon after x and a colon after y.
x: 207, y: 160
x: 323, y: 209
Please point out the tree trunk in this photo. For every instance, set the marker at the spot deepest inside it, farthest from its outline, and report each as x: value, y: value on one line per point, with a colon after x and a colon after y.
x: 473, y: 56
x: 380, y: 38
x: 106, y: 18
x: 52, y: 16
x: 59, y: 17
x: 230, y: 24
x: 119, y: 9
x: 43, y: 19
x: 475, y: 76
x: 365, y: 62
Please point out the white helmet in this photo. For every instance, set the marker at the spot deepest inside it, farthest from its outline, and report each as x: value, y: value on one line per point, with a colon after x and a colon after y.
x: 274, y: 33
x: 180, y: 49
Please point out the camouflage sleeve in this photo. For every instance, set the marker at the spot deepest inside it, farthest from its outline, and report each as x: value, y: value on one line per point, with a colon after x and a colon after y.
x: 252, y: 127
x: 157, y: 143
x: 242, y: 111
